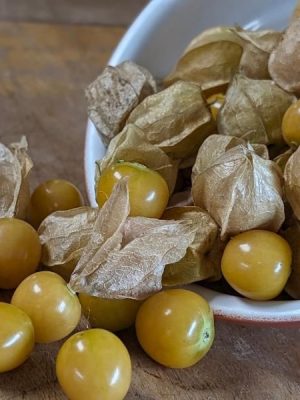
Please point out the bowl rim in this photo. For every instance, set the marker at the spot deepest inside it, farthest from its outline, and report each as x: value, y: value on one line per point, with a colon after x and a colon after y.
x: 225, y: 307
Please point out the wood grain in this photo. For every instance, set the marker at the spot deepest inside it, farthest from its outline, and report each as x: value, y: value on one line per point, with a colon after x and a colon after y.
x: 43, y: 71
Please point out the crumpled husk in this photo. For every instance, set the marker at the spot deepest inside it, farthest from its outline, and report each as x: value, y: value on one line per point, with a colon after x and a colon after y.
x: 15, y: 166
x: 211, y: 60
x: 282, y: 159
x: 120, y: 265
x: 63, y: 236
x: 130, y: 145
x: 292, y: 235
x: 253, y: 110
x: 292, y: 182
x: 176, y: 119
x: 194, y: 266
x: 241, y: 191
x: 215, y: 146
x: 181, y: 199
x: 285, y: 59
x: 115, y: 93
x: 258, y: 46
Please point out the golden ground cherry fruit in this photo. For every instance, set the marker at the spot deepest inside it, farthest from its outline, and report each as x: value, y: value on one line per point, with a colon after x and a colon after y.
x: 111, y: 314
x: 175, y: 327
x: 148, y: 191
x: 215, y: 102
x: 291, y: 124
x: 94, y: 365
x: 257, y: 264
x: 52, y: 195
x: 20, y: 252
x: 16, y: 337
x: 54, y: 309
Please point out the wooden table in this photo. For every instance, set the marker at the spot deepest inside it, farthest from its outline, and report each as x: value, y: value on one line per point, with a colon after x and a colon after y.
x: 50, y: 50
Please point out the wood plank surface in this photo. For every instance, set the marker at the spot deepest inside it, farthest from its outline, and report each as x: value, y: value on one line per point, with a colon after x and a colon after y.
x: 43, y: 71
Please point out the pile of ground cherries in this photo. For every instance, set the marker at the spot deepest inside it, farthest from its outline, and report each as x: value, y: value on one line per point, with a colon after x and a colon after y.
x: 174, y: 327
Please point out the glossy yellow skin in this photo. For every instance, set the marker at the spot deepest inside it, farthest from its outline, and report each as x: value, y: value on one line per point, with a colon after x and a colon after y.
x: 16, y: 337
x: 111, y: 314
x: 215, y: 102
x: 94, y: 365
x: 55, y: 311
x: 20, y: 252
x: 148, y: 191
x: 175, y: 327
x: 291, y: 124
x: 53, y: 195
x: 257, y: 264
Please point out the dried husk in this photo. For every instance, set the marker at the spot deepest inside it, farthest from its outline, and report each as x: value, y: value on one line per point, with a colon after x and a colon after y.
x: 181, y: 199
x: 194, y: 266
x: 292, y: 182
x: 241, y: 191
x: 258, y: 46
x: 215, y: 146
x: 176, y: 119
x: 115, y: 93
x: 131, y: 145
x: 15, y: 166
x: 292, y: 235
x: 296, y: 13
x: 126, y: 258
x: 253, y: 110
x: 282, y: 159
x: 211, y: 59
x: 63, y: 236
x: 285, y: 59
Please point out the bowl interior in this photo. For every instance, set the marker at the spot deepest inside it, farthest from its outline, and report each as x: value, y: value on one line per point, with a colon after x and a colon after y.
x: 155, y: 40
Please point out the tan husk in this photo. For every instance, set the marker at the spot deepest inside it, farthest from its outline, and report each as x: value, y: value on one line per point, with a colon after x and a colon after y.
x: 181, y: 199
x: 211, y: 59
x: 126, y: 258
x: 194, y: 266
x: 282, y: 159
x: 241, y: 191
x: 215, y: 146
x: 285, y: 59
x: 176, y: 119
x: 292, y: 182
x: 15, y: 166
x: 131, y: 145
x: 253, y: 110
x: 115, y: 93
x: 63, y: 236
x: 292, y: 235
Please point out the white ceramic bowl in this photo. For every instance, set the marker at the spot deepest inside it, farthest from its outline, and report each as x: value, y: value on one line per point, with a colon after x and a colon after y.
x: 155, y: 40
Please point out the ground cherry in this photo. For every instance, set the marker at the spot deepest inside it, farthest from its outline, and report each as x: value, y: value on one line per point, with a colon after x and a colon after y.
x: 94, y: 365
x: 215, y: 102
x: 291, y: 124
x: 20, y: 251
x: 111, y: 314
x: 175, y: 327
x: 148, y: 191
x: 54, y: 309
x: 257, y: 264
x: 16, y: 337
x: 52, y: 195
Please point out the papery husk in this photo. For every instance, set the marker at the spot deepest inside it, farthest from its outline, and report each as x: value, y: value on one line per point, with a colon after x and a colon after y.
x: 181, y: 199
x: 63, y: 236
x: 253, y: 110
x: 124, y: 261
x: 115, y: 93
x: 258, y: 46
x: 194, y: 266
x: 241, y: 191
x: 282, y: 159
x: 176, y: 119
x: 296, y: 13
x: 215, y: 146
x: 211, y: 59
x: 15, y: 166
x: 285, y: 59
x: 130, y: 145
x: 292, y: 235
x: 292, y: 182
